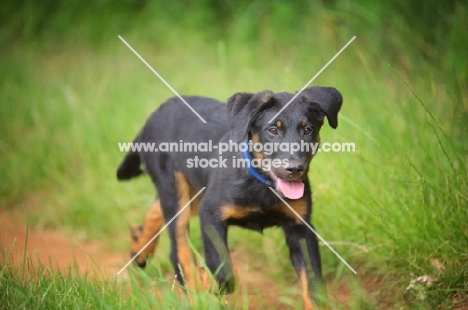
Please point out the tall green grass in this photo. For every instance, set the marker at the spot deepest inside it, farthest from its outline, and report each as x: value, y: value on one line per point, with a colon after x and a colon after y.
x: 38, y: 285
x: 392, y: 209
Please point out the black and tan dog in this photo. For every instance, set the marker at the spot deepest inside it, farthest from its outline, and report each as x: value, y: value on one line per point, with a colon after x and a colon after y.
x: 233, y: 195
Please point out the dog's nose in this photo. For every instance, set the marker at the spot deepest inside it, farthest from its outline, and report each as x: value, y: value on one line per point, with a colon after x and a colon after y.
x: 295, y: 169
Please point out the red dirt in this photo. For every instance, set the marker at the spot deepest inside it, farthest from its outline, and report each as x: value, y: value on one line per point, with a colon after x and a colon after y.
x: 62, y: 250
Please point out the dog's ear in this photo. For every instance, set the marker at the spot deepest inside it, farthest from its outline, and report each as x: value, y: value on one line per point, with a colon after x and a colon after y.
x: 328, y: 98
x: 242, y: 109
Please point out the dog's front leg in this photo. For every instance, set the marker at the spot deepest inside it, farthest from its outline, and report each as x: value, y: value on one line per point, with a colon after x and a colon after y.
x: 305, y: 257
x: 217, y: 259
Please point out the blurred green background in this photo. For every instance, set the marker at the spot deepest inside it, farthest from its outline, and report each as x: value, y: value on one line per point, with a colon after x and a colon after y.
x: 396, y: 209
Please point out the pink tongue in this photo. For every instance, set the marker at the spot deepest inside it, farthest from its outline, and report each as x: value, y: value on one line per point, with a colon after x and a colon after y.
x: 291, y: 190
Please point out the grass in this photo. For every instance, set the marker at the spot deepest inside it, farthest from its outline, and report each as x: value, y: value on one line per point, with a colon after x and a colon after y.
x: 391, y: 209
x: 35, y: 285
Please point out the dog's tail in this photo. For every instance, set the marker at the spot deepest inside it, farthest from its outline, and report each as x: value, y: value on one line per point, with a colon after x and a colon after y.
x: 130, y: 166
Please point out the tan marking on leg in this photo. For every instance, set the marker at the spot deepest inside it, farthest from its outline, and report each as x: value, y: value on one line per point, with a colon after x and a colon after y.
x: 182, y: 221
x: 152, y: 224
x: 208, y: 283
x: 305, y: 290
x: 194, y: 204
x: 204, y: 281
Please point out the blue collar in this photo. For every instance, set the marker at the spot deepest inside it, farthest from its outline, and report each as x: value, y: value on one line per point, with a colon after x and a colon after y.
x: 252, y: 170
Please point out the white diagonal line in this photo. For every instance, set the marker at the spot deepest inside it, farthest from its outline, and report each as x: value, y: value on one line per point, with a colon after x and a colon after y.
x: 313, y: 230
x: 161, y: 78
x: 312, y: 79
x: 160, y: 231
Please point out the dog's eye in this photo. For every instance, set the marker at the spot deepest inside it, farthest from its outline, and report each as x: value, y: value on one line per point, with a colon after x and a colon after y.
x: 307, y: 131
x: 273, y: 130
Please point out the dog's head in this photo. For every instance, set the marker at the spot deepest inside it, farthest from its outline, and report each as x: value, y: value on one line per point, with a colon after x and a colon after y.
x: 249, y: 117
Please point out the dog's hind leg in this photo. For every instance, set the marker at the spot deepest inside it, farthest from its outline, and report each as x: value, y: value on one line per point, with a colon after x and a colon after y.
x: 141, y: 235
x: 174, y: 194
x: 179, y: 235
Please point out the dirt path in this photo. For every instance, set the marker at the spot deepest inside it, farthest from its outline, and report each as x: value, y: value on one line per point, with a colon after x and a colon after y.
x: 64, y: 251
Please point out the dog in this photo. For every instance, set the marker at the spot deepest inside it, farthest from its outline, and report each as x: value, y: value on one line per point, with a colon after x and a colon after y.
x: 234, y: 195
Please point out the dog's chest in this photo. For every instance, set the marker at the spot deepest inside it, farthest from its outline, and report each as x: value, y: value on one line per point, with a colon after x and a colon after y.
x: 258, y: 218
